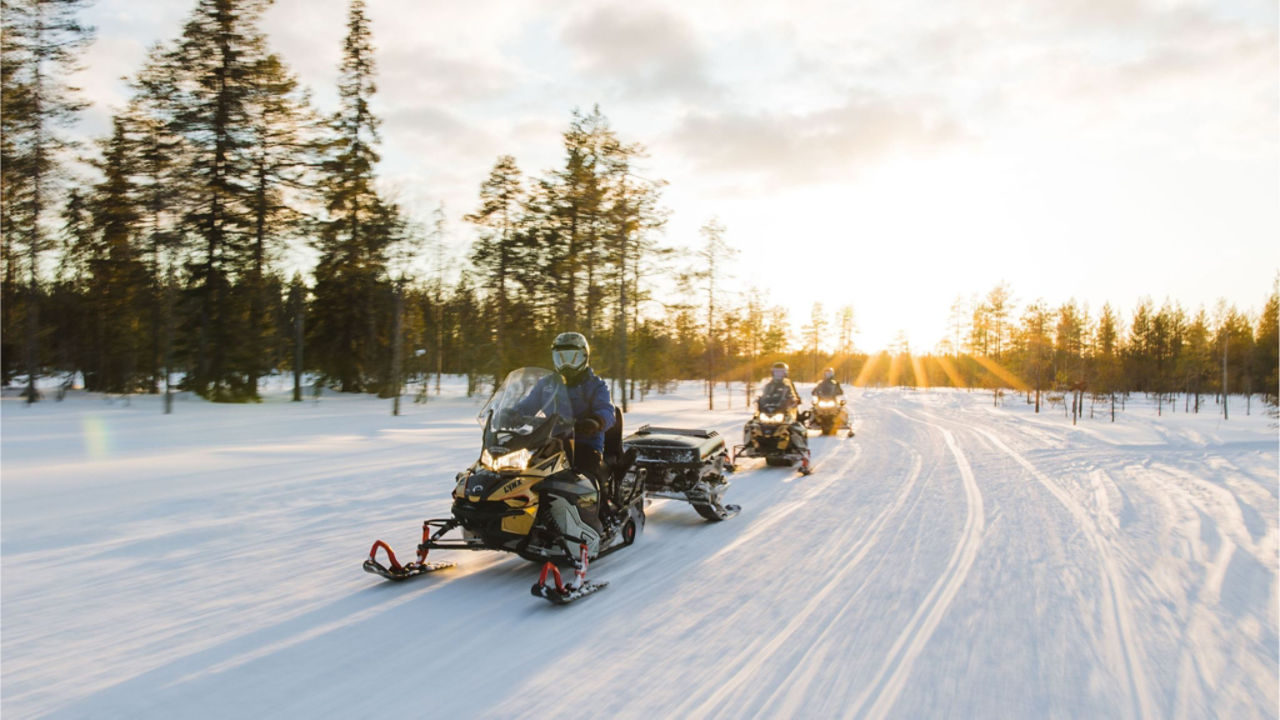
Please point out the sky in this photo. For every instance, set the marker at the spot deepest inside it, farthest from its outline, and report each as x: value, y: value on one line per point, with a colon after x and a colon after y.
x: 894, y: 157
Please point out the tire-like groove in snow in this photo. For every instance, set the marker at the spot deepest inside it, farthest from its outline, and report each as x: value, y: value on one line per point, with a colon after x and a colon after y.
x: 883, y: 691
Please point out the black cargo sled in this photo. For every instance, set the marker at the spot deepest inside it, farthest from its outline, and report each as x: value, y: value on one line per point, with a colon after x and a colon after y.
x: 681, y: 464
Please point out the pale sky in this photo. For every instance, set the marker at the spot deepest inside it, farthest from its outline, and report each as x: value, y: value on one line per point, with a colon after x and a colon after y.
x: 892, y: 156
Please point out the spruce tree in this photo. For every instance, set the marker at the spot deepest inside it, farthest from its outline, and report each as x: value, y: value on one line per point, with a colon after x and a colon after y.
x: 41, y: 42
x: 279, y: 155
x: 215, y: 67
x: 118, y: 279
x: 351, y: 238
x: 495, y: 253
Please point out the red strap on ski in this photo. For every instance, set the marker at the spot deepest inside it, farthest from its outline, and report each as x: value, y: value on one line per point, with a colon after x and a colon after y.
x: 581, y: 572
x: 395, y: 566
x: 426, y: 536
x: 550, y: 567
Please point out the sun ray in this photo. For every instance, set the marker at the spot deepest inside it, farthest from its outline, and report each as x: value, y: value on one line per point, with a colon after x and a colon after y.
x: 918, y: 369
x: 945, y: 363
x: 867, y: 369
x: 999, y: 371
x: 895, y: 368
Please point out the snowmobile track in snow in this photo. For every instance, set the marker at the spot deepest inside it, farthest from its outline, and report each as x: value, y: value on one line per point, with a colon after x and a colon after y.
x: 1126, y: 646
x: 883, y: 692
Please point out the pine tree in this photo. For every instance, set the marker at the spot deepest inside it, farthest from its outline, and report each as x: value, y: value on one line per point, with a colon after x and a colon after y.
x: 633, y: 217
x: 118, y: 278
x: 847, y: 326
x: 1267, y: 349
x: 41, y: 42
x: 1037, y: 347
x: 712, y: 256
x: 157, y: 165
x: 813, y: 333
x: 280, y: 155
x: 210, y: 88
x: 495, y: 253
x: 1107, y: 349
x: 351, y: 239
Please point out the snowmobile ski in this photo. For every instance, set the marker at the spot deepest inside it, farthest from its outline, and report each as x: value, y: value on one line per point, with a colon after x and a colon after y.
x: 569, y: 594
x: 721, y: 512
x: 396, y: 571
x: 562, y: 594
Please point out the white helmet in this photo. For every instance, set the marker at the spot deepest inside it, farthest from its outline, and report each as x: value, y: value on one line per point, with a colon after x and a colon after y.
x: 570, y: 353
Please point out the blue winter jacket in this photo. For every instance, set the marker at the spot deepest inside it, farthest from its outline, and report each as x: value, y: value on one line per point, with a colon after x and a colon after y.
x: 590, y: 396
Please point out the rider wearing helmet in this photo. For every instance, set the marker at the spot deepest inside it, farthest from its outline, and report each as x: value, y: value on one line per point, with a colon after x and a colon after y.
x: 780, y: 384
x: 781, y: 387
x: 589, y: 396
x: 829, y: 387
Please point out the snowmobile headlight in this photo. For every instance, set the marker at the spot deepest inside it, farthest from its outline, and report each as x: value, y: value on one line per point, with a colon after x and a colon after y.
x: 826, y: 403
x: 516, y: 461
x: 774, y: 418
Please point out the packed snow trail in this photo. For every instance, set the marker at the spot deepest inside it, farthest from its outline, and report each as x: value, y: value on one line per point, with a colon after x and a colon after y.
x: 952, y: 559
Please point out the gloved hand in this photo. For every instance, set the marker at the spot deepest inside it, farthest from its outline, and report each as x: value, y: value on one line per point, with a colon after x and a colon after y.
x: 586, y: 426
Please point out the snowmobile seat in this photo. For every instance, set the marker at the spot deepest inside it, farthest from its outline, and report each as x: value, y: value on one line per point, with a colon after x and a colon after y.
x: 613, y: 441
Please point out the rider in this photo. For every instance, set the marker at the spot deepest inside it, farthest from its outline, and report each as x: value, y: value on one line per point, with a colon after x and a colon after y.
x: 780, y: 385
x: 829, y: 387
x: 589, y: 396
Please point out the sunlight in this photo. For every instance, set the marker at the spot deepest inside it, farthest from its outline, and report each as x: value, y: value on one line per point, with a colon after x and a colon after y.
x: 952, y: 375
x: 917, y: 367
x: 867, y: 368
x: 999, y: 371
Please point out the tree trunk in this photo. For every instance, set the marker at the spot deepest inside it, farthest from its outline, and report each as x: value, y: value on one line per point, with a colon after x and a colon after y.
x: 396, y: 346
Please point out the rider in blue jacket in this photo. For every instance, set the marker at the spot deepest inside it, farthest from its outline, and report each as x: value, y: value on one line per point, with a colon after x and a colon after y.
x: 589, y: 395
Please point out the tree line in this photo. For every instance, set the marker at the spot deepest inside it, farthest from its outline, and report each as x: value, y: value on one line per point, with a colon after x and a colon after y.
x: 167, y: 269
x: 1166, y: 352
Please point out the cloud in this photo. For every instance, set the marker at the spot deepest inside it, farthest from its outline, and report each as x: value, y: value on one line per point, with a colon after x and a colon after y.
x: 420, y: 72
x: 818, y: 146
x: 651, y: 52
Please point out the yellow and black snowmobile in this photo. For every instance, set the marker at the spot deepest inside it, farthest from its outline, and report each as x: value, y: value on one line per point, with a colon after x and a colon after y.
x: 523, y: 496
x: 775, y: 433
x: 830, y: 415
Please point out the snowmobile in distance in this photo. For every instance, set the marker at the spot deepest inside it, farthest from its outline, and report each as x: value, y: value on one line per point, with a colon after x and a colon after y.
x: 770, y: 434
x: 523, y: 496
x: 830, y: 415
x: 681, y: 464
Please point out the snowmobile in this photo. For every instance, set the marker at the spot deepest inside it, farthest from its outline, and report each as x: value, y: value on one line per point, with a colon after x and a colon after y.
x: 769, y: 434
x: 829, y: 415
x: 523, y: 496
x: 679, y: 464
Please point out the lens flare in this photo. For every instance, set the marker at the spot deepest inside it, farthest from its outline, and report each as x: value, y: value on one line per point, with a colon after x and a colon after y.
x: 97, y: 441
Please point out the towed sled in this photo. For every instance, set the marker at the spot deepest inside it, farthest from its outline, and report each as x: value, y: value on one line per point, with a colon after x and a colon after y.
x: 523, y: 496
x: 679, y: 464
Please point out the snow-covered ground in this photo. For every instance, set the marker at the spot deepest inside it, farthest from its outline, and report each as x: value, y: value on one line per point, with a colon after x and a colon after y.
x: 953, y: 559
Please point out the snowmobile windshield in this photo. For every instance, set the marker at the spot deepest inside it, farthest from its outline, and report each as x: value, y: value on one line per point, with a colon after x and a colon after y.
x: 775, y: 398
x: 531, y: 405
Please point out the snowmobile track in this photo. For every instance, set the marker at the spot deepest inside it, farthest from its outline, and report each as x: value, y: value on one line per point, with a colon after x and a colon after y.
x: 1113, y: 584
x: 902, y: 655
